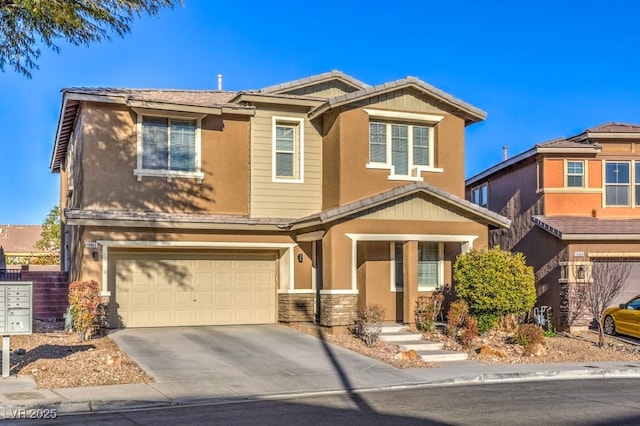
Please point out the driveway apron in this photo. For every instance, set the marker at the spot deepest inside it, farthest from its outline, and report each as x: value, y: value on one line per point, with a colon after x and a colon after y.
x: 247, y: 359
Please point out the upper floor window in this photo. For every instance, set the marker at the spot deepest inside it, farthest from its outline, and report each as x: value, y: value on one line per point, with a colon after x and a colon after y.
x: 408, y: 146
x: 479, y: 195
x: 617, y: 183
x: 575, y: 174
x: 168, y: 146
x: 405, y: 149
x: 288, y: 145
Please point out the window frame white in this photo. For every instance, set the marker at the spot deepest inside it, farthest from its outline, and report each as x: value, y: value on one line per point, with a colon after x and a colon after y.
x: 393, y: 282
x: 440, y: 266
x: 480, y: 189
x: 140, y: 171
x: 410, y: 121
x: 298, y: 156
x: 568, y: 174
x: 630, y: 201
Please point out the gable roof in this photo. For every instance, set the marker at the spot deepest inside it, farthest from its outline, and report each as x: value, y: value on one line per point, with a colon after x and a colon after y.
x: 315, y: 79
x: 470, y: 113
x: 589, y: 228
x: 402, y: 192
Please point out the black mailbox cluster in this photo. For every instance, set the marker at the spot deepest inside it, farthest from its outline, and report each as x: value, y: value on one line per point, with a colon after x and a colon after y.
x: 15, y: 308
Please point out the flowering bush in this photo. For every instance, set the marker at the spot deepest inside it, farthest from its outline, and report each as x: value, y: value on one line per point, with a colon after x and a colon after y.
x: 84, y: 299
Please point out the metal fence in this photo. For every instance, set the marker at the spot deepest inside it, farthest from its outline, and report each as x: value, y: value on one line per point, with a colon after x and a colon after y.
x: 13, y: 274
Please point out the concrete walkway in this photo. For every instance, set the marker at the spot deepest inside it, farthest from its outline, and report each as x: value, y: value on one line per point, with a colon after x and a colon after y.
x: 329, y: 369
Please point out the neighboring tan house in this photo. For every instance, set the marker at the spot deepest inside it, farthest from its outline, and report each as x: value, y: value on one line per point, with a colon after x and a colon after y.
x: 572, y: 202
x: 297, y: 202
x: 19, y: 245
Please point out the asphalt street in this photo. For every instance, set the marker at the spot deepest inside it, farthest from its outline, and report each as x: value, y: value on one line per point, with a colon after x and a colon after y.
x: 563, y: 402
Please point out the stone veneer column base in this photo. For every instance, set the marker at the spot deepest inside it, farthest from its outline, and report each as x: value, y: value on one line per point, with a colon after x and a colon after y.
x: 296, y: 307
x: 338, y: 309
x: 573, y: 317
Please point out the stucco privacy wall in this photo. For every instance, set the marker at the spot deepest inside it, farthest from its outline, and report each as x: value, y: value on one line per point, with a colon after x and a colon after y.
x: 284, y: 199
x: 347, y: 148
x: 108, y: 162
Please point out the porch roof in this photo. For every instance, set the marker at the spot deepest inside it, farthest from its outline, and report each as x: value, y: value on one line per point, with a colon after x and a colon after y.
x: 402, y: 192
x: 568, y: 228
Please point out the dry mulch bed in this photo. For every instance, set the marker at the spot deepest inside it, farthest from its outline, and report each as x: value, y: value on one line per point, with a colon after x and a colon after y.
x: 57, y: 359
x: 562, y: 348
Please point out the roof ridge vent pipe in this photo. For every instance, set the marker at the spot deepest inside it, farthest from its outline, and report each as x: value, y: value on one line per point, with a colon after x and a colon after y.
x: 220, y: 82
x: 505, y: 155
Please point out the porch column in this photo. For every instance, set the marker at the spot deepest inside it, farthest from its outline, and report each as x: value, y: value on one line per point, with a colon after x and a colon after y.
x: 410, y: 277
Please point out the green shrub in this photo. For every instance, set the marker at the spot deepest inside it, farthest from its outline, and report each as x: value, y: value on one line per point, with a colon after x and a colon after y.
x: 368, y: 324
x: 529, y: 335
x: 84, y: 299
x: 486, y: 322
x: 427, y: 310
x: 495, y: 282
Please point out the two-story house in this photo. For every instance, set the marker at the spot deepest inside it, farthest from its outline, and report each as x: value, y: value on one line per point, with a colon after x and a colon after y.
x: 297, y: 202
x: 572, y: 201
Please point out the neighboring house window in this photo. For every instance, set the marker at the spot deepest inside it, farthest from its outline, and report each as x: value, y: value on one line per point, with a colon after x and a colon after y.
x: 479, y: 195
x: 575, y: 174
x: 617, y: 183
x: 288, y: 145
x: 408, y: 146
x: 428, y: 265
x: 540, y: 175
x: 169, y: 145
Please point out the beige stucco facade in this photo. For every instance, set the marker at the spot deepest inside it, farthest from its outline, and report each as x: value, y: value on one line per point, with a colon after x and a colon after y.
x: 173, y: 240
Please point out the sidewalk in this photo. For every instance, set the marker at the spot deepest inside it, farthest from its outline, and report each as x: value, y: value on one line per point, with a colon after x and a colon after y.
x: 21, y: 393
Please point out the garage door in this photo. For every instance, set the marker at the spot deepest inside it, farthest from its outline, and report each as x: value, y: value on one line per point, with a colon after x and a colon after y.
x: 183, y: 290
x: 633, y: 286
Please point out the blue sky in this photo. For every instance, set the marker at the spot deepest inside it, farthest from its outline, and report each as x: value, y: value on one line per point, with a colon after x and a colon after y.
x: 540, y: 70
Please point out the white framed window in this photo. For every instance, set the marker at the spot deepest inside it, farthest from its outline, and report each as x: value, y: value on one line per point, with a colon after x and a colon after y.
x: 430, y: 265
x: 617, y: 183
x: 402, y: 143
x: 480, y: 195
x: 288, y: 149
x: 539, y: 176
x: 637, y: 183
x: 168, y: 145
x: 575, y: 174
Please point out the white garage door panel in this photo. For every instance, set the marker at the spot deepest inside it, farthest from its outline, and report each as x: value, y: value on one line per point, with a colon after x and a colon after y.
x: 153, y: 292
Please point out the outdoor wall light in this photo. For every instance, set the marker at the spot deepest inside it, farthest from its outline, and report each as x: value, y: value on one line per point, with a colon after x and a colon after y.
x: 299, y: 257
x: 581, y: 273
x: 94, y: 255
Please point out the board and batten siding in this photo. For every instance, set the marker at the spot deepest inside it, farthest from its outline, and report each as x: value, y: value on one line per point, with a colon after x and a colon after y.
x: 329, y: 89
x: 283, y: 199
x: 417, y: 208
x: 407, y: 99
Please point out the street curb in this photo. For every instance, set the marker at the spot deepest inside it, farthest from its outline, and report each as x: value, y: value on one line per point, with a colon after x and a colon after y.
x: 8, y: 411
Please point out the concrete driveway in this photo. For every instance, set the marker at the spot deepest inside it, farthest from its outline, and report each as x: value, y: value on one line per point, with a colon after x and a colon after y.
x: 265, y: 359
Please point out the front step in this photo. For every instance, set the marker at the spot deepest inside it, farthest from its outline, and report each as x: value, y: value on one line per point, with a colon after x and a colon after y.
x: 442, y: 356
x: 420, y: 345
x: 398, y: 335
